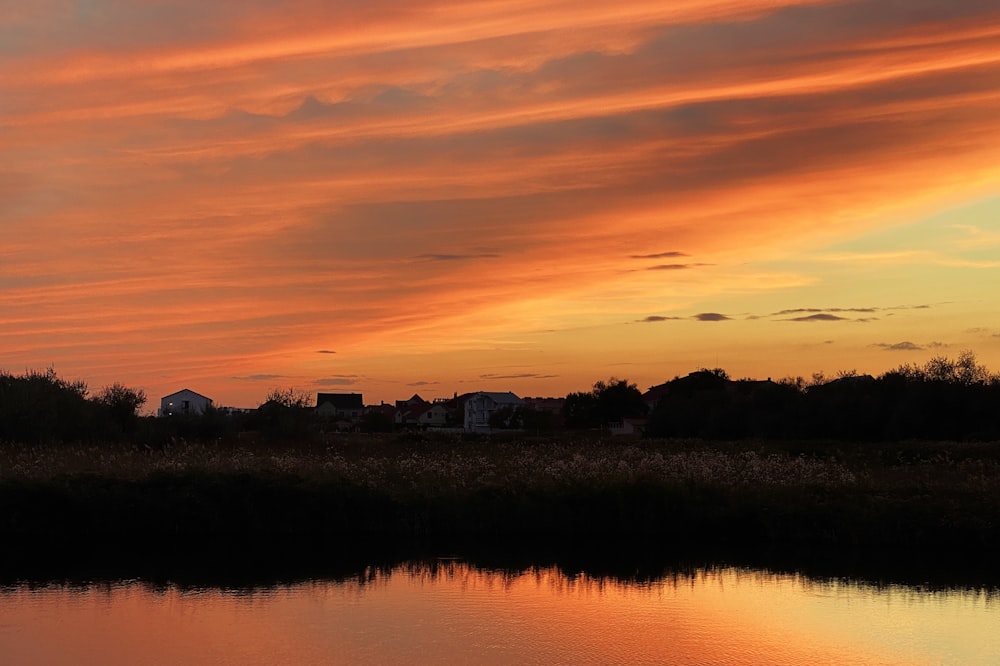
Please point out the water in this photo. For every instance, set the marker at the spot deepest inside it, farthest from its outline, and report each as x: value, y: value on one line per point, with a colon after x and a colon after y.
x: 449, y: 612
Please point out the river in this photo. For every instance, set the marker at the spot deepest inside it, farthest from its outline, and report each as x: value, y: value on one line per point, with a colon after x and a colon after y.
x: 451, y: 612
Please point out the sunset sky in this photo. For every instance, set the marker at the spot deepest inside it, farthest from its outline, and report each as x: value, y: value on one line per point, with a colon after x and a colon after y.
x: 394, y: 197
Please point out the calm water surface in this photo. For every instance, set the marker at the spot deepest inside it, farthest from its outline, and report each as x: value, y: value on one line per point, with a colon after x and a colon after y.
x: 452, y: 613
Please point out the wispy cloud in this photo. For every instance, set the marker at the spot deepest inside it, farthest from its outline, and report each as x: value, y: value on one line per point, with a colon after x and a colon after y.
x: 656, y: 318
x: 201, y: 195
x: 781, y: 313
x: 659, y: 255
x: 925, y: 257
x: 522, y: 375
x: 457, y: 257
x: 976, y: 237
x: 899, y: 346
x: 822, y: 316
x: 813, y: 314
x: 339, y: 380
x: 673, y: 267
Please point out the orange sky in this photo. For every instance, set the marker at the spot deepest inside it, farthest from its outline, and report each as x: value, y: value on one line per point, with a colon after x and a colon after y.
x: 399, y: 197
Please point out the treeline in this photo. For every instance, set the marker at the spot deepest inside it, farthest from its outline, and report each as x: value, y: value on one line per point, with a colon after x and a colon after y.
x: 40, y: 407
x: 944, y: 399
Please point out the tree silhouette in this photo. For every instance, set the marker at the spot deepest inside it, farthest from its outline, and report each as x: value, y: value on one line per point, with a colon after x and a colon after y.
x: 123, y: 403
x: 617, y: 399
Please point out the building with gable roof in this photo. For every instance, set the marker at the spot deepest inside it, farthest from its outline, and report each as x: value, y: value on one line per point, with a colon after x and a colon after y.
x: 184, y: 402
x: 340, y: 406
x: 479, y: 407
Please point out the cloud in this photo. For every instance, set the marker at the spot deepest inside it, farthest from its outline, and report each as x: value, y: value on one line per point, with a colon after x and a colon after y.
x: 711, y: 316
x: 565, y: 146
x: 422, y: 383
x: 261, y: 377
x: 524, y: 375
x: 659, y: 255
x: 339, y: 380
x: 806, y: 310
x: 673, y: 267
x: 823, y: 316
x: 899, y: 346
x: 457, y: 257
x: 325, y: 351
x: 655, y: 318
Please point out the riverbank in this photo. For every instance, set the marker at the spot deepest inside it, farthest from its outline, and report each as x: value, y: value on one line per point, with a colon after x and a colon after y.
x: 390, y: 489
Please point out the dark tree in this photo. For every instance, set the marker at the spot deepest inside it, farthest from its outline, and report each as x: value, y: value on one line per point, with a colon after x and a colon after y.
x: 580, y: 411
x: 41, y: 407
x: 537, y: 420
x: 507, y: 417
x: 291, y: 397
x: 123, y: 404
x: 376, y: 421
x: 616, y: 399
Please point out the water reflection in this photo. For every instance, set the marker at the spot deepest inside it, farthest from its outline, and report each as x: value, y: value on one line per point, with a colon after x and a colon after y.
x: 448, y: 611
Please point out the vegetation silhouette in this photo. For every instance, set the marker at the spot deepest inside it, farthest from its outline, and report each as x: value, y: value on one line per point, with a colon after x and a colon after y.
x: 942, y: 400
x: 906, y: 460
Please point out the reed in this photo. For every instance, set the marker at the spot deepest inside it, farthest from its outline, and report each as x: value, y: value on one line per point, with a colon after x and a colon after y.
x: 391, y: 487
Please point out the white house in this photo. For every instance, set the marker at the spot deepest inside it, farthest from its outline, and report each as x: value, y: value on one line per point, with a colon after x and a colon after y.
x: 480, y: 407
x: 343, y: 406
x: 435, y: 416
x: 627, y: 426
x: 184, y: 401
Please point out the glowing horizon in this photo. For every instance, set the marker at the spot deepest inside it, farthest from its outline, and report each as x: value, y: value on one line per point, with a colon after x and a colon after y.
x: 393, y: 198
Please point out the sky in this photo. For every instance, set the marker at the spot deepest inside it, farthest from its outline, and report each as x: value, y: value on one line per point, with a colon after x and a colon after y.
x: 427, y: 197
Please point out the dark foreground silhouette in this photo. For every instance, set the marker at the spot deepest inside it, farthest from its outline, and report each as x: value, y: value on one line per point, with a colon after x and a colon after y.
x: 935, y: 498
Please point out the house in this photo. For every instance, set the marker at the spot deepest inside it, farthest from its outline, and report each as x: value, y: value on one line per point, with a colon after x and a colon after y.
x: 340, y: 406
x: 436, y: 415
x: 627, y: 426
x: 479, y: 407
x: 656, y: 393
x: 408, y: 411
x: 543, y: 413
x: 184, y: 401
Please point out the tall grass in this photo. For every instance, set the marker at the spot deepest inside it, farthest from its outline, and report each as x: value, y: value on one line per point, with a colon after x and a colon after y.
x: 937, y: 495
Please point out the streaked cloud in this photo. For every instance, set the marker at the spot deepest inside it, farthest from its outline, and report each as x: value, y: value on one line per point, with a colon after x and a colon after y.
x: 341, y: 380
x: 261, y: 377
x: 899, y: 346
x: 822, y: 316
x: 656, y: 318
x: 659, y: 255
x: 190, y: 193
x: 781, y: 313
x: 674, y: 267
x: 456, y: 257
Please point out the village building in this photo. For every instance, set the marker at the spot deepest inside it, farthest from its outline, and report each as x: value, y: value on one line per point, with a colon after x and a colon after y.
x: 408, y: 411
x: 184, y: 402
x: 340, y: 406
x: 479, y: 407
